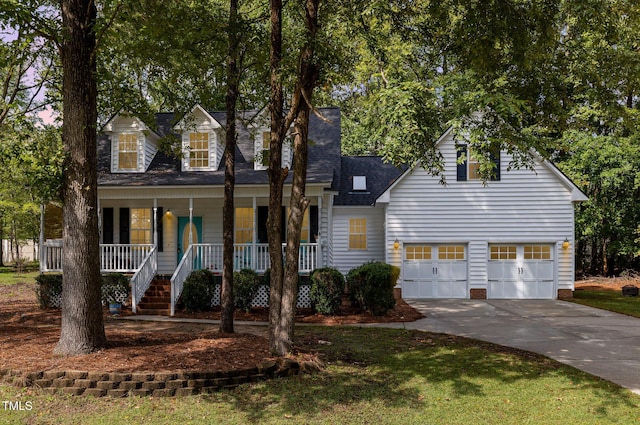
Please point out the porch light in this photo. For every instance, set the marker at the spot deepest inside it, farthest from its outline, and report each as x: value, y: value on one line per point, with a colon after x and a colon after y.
x: 396, y: 244
x: 566, y: 244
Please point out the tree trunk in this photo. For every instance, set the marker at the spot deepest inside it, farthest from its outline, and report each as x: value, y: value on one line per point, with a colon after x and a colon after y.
x: 276, y: 175
x: 282, y: 312
x: 228, y: 214
x: 82, y: 329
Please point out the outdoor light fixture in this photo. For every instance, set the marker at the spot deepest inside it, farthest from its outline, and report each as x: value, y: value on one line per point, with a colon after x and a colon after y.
x: 396, y: 244
x: 566, y: 244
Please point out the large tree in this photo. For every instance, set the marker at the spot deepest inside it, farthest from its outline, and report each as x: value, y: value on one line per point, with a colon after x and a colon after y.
x: 284, y: 281
x: 82, y: 329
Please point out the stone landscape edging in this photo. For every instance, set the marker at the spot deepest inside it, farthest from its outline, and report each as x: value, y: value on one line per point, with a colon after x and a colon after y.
x: 157, y: 384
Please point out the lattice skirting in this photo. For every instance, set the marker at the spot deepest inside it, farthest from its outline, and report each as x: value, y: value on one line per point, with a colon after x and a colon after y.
x: 121, y: 296
x: 262, y: 297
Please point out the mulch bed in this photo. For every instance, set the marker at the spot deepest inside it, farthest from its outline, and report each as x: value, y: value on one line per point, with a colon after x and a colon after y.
x: 28, y: 336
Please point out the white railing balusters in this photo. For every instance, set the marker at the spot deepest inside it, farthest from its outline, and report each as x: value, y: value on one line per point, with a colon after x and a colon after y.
x: 141, y: 280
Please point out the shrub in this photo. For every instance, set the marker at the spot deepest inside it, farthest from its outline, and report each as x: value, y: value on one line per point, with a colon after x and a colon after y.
x: 371, y: 287
x: 115, y: 288
x: 246, y: 283
x: 49, y: 290
x: 327, y: 287
x: 198, y: 290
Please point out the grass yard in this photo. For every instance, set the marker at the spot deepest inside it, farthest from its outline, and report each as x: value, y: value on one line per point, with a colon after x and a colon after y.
x: 12, y: 278
x: 380, y: 376
x: 608, y: 299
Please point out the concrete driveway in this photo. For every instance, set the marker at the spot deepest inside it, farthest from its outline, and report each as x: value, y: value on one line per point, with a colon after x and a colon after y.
x: 599, y: 342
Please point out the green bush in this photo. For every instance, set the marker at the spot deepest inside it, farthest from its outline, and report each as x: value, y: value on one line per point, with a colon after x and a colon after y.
x: 198, y: 290
x: 246, y: 283
x: 115, y: 288
x: 371, y: 287
x: 327, y: 287
x: 49, y: 290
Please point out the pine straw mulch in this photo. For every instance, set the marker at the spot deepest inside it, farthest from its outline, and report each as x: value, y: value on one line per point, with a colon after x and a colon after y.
x: 607, y: 283
x: 28, y: 336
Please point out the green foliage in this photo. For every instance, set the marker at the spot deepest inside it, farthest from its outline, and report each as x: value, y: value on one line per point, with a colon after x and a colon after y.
x: 48, y: 289
x: 198, y: 290
x: 246, y: 283
x: 327, y: 287
x: 607, y: 168
x: 115, y: 288
x: 371, y: 287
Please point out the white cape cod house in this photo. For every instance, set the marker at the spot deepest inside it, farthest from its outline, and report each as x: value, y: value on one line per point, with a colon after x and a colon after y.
x: 162, y: 216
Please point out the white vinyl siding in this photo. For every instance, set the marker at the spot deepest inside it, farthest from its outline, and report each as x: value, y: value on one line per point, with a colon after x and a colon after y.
x: 344, y: 258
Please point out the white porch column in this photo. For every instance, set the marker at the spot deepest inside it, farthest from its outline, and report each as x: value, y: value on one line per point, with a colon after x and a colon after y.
x: 155, y: 223
x: 41, y: 248
x: 254, y: 236
x: 190, y: 221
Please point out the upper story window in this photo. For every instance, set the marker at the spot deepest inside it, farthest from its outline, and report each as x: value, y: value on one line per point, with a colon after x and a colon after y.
x: 127, y: 151
x: 133, y: 144
x: 266, y: 146
x: 198, y: 150
x: 469, y: 168
x: 262, y: 152
x: 201, y: 149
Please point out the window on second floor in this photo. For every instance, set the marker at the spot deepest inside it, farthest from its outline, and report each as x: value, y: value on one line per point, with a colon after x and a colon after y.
x: 127, y: 151
x: 198, y: 150
x: 469, y: 167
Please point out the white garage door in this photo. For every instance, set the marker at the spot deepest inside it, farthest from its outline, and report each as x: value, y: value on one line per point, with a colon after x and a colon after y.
x: 434, y: 271
x: 521, y: 271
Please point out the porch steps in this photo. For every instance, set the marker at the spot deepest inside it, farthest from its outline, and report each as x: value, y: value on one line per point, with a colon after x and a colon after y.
x: 157, y: 299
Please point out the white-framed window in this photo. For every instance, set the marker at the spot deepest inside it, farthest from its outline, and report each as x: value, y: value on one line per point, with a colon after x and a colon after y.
x: 141, y: 228
x: 127, y: 151
x: 358, y: 233
x: 199, y: 150
x: 244, y: 223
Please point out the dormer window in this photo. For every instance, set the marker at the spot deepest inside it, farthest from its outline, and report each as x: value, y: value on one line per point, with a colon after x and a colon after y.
x: 199, y: 150
x: 128, y: 152
x: 133, y: 144
x: 266, y: 146
x: 200, y: 147
x: 263, y: 149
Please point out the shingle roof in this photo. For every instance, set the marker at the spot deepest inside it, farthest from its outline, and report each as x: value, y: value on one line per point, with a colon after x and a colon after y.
x: 379, y: 177
x: 164, y: 170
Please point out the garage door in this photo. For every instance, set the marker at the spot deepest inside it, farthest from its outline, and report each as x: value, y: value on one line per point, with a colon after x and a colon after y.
x: 434, y: 271
x: 521, y: 271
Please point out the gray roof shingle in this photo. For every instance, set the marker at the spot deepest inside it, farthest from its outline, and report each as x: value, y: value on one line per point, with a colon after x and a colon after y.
x: 165, y: 170
x: 379, y: 174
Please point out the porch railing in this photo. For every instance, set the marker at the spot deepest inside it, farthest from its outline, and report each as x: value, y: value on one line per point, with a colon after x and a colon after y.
x: 246, y: 256
x: 141, y: 280
x: 123, y: 258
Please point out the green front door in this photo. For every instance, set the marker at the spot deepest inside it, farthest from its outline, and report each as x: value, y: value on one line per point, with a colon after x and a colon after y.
x: 184, y: 229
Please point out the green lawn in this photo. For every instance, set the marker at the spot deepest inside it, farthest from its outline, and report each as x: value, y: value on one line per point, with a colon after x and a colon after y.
x: 11, y: 277
x: 373, y: 376
x: 608, y: 300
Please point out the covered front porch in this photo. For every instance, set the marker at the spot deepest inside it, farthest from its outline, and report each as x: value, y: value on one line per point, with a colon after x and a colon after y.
x: 159, y: 232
